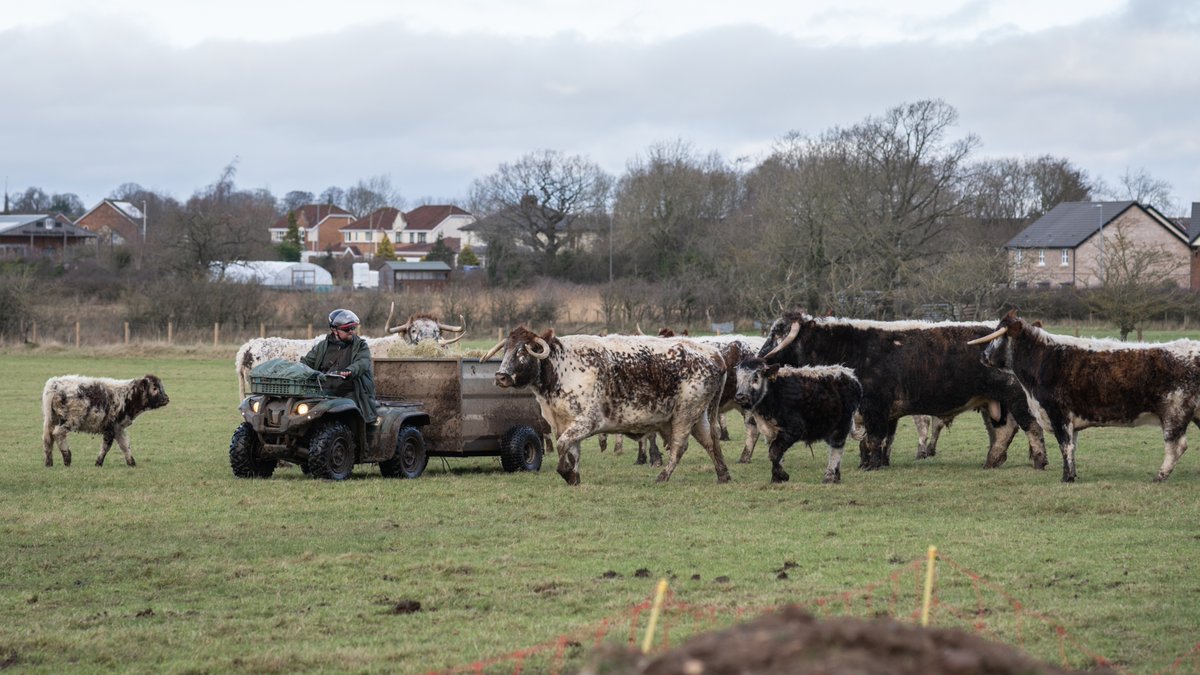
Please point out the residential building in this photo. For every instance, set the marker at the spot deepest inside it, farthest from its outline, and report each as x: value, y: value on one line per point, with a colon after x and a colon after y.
x: 40, y: 234
x: 115, y: 222
x: 320, y: 227
x: 1068, y: 246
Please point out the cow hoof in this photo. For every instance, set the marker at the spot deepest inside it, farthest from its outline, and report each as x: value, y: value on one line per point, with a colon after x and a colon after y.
x: 99, y: 462
x: 830, y: 480
x: 1159, y: 478
x: 921, y: 454
x: 723, y: 478
x: 656, y: 463
x: 780, y: 476
x: 49, y: 463
x: 572, y: 479
x: 132, y: 463
x: 640, y: 460
x: 66, y: 461
x: 663, y: 477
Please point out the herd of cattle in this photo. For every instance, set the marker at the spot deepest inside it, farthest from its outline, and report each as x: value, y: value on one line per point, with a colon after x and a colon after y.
x: 810, y: 379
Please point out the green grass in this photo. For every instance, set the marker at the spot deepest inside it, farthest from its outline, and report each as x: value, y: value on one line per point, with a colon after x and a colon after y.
x: 175, y: 566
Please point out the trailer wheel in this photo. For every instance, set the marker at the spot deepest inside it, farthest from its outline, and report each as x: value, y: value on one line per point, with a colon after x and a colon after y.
x: 410, y: 459
x: 521, y: 450
x: 244, y: 456
x: 331, y: 452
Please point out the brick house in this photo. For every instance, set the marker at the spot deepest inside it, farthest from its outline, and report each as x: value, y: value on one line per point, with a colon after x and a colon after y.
x: 114, y: 221
x: 367, y: 232
x: 320, y: 227
x: 1066, y: 246
x: 412, y: 234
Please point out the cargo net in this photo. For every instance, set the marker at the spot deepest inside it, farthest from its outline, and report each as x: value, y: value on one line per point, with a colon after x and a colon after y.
x: 961, y: 600
x: 280, y: 377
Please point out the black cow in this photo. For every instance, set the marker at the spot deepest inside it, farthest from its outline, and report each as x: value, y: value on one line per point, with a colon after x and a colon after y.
x: 909, y: 368
x: 810, y: 404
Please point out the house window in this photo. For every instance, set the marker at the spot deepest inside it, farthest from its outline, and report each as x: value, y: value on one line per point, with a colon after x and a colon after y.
x: 1041, y: 257
x: 1019, y: 257
x: 1066, y: 257
x: 421, y: 238
x: 368, y: 235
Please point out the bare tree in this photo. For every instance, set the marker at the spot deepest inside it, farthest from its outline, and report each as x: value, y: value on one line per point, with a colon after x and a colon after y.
x: 667, y: 204
x: 1137, y: 282
x: 1139, y: 186
x: 216, y: 227
x: 371, y: 194
x: 295, y: 199
x: 543, y: 201
x: 1056, y: 180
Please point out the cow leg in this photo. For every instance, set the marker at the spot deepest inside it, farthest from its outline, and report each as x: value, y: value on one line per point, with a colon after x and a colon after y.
x: 48, y: 443
x: 1066, y: 437
x: 58, y: 436
x: 1037, y: 445
x: 922, y: 423
x: 724, y: 429
x: 108, y: 440
x: 779, y: 446
x: 123, y: 442
x: 1000, y: 436
x: 751, y: 437
x: 676, y: 446
x: 619, y: 445
x: 1174, y: 445
x: 885, y: 454
x: 568, y: 452
x: 707, y: 429
x: 603, y: 441
x: 833, y: 469
x: 651, y: 442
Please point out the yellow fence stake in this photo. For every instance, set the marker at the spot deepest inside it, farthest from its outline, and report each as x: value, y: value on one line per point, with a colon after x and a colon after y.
x: 928, y: 585
x: 658, y: 601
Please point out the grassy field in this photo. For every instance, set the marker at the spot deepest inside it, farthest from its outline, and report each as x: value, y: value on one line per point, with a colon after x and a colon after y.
x: 176, y: 566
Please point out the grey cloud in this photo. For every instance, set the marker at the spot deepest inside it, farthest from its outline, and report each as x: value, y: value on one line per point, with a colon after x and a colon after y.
x: 109, y: 104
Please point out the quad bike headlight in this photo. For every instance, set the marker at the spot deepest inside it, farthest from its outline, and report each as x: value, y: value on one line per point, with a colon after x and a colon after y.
x: 302, y: 409
x: 255, y: 406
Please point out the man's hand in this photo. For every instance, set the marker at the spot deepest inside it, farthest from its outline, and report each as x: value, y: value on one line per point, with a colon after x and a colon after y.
x: 345, y: 374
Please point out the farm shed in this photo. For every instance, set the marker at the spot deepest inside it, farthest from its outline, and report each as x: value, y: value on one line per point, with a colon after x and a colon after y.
x: 279, y: 274
x: 409, y: 276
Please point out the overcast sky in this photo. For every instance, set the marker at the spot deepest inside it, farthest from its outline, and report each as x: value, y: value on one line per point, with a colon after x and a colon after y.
x: 435, y: 93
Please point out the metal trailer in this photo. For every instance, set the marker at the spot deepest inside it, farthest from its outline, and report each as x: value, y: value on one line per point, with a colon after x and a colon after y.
x: 469, y: 416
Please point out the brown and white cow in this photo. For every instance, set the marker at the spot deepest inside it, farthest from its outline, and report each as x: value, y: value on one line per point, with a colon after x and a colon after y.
x: 809, y: 404
x: 1077, y: 383
x: 95, y: 405
x: 623, y: 384
x: 909, y: 368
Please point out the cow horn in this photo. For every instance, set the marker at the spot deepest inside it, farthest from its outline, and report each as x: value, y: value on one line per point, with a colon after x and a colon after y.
x: 446, y: 343
x: 791, y: 336
x: 539, y: 354
x: 391, y: 312
x: 454, y: 329
x: 492, y: 351
x: 639, y: 328
x: 989, y: 337
x: 402, y: 327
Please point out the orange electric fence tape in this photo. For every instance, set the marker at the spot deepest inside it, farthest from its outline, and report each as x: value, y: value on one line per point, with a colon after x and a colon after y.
x: 961, y: 599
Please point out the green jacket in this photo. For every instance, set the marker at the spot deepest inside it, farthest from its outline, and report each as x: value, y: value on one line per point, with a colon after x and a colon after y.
x: 362, y: 373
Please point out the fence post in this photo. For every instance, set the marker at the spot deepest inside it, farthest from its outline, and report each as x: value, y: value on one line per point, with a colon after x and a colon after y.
x: 35, y: 331
x: 76, y: 335
x: 170, y: 330
x: 262, y: 329
x: 216, y: 332
x: 126, y: 333
x: 310, y: 331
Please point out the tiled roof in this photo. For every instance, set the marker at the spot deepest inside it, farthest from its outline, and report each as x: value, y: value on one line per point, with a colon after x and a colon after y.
x: 379, y: 219
x: 1068, y: 225
x: 429, y: 216
x: 313, y: 213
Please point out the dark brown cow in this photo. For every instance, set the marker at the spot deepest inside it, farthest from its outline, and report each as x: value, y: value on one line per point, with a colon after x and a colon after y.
x: 95, y: 405
x: 1076, y: 383
x: 909, y: 368
x: 619, y: 384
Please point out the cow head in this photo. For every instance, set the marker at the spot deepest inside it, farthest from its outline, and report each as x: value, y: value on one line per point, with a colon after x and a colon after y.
x: 522, y: 359
x: 753, y: 377
x: 782, y: 335
x: 424, y: 327
x: 148, y: 393
x: 997, y: 353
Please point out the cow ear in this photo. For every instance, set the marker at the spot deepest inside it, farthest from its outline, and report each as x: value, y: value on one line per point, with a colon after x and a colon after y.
x: 548, y: 335
x: 771, y: 370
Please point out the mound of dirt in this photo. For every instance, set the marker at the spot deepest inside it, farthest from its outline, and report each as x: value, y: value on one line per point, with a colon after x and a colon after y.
x: 793, y: 642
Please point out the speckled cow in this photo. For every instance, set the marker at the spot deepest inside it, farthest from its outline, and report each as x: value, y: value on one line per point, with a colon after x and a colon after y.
x: 587, y: 385
x: 95, y: 405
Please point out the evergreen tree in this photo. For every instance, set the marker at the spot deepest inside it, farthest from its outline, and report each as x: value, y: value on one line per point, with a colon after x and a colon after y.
x: 385, y: 251
x: 441, y: 252
x: 467, y: 256
x: 290, y: 248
